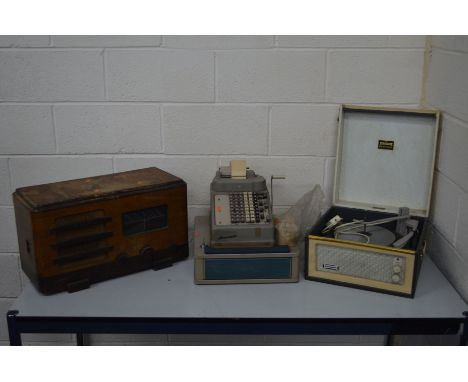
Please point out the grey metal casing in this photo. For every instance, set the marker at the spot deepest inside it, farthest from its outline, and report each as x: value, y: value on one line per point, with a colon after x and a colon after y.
x: 252, y: 183
x: 238, y: 235
x: 202, y: 237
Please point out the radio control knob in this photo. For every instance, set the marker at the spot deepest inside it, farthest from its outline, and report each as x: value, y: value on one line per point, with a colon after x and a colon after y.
x: 396, y: 269
x: 146, y: 251
x: 395, y: 278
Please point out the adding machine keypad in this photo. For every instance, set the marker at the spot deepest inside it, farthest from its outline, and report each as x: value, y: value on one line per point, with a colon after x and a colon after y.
x: 249, y: 207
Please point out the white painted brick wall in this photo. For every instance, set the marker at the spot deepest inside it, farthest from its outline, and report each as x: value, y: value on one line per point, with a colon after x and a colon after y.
x: 98, y: 129
x: 216, y: 129
x: 5, y: 304
x: 160, y: 75
x: 24, y: 41
x: 447, y: 89
x: 453, y: 153
x: 48, y: 339
x: 293, y: 125
x: 26, y: 129
x: 28, y: 171
x: 5, y: 190
x: 78, y: 106
x: 218, y: 42
x: 314, y: 340
x: 448, y: 82
x: 406, y: 41
x: 51, y: 75
x: 193, y: 339
x: 446, y: 205
x: 105, y: 41
x: 461, y: 238
x: 449, y: 261
x: 8, y: 239
x: 265, y: 76
x: 360, y: 76
x: 332, y: 41
x: 453, y: 43
x: 131, y: 339
x: 352, y: 41
x: 10, y: 280
x: 329, y: 179
x: 24, y: 279
x: 238, y: 340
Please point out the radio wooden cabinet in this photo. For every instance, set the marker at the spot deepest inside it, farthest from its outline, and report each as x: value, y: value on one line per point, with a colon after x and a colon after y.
x: 75, y: 233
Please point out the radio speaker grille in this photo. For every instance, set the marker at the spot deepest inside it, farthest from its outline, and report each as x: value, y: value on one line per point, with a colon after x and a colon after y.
x: 81, y: 237
x: 359, y: 263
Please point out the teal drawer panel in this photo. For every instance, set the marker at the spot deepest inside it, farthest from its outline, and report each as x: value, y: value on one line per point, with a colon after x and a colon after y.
x: 250, y: 268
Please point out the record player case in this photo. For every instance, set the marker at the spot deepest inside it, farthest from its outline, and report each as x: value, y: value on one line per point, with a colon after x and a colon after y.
x: 385, y: 160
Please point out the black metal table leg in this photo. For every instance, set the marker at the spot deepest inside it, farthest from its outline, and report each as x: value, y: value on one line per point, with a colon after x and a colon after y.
x: 80, y: 339
x: 13, y: 333
x: 464, y: 336
x: 389, y: 340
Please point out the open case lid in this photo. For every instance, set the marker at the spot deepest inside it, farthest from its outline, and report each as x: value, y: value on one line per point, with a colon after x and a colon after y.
x: 385, y: 158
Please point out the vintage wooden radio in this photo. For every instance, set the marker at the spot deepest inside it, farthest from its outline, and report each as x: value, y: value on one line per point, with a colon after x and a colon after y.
x: 373, y: 237
x: 75, y: 233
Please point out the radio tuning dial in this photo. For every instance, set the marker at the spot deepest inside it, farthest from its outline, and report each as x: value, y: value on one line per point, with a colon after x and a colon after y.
x: 396, y: 269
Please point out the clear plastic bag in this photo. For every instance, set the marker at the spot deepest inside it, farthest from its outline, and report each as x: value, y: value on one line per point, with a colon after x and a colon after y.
x: 292, y: 226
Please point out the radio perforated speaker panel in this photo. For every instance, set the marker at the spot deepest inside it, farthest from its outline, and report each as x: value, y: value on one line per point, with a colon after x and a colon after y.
x: 358, y: 263
x: 81, y: 237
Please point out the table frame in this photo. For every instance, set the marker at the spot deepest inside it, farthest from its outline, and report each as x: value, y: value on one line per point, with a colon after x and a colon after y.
x: 82, y: 326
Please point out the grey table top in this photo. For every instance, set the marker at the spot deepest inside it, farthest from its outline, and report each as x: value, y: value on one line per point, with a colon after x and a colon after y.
x: 171, y: 292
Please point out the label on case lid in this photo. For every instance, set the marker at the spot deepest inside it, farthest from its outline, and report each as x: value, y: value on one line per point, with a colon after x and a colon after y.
x: 386, y: 145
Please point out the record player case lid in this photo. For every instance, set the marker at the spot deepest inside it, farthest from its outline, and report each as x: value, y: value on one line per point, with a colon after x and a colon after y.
x: 385, y: 158
x: 62, y: 194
